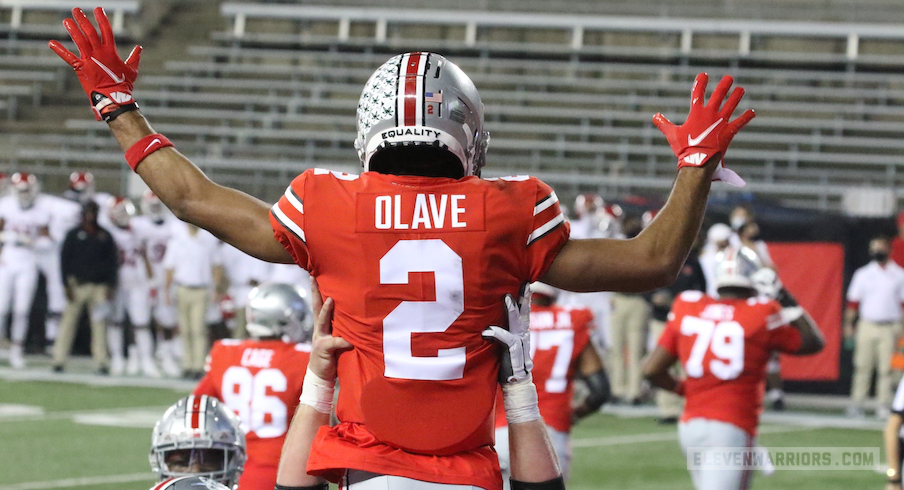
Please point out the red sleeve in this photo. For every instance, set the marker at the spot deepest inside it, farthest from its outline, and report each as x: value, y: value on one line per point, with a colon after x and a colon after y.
x: 548, y: 231
x: 782, y: 336
x: 206, y: 387
x: 287, y: 219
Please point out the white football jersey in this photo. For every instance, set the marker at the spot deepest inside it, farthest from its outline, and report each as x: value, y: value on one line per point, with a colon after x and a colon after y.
x: 132, y: 268
x: 65, y: 215
x: 22, y: 228
x: 155, y: 235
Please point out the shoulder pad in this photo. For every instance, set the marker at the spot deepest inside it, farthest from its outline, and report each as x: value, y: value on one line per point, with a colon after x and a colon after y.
x: 338, y: 175
x: 510, y: 178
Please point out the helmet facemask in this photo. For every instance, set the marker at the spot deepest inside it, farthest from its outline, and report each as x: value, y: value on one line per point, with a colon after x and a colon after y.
x: 421, y: 100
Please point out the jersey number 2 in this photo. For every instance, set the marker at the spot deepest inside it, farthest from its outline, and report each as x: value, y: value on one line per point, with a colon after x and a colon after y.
x: 423, y: 316
x: 724, y: 339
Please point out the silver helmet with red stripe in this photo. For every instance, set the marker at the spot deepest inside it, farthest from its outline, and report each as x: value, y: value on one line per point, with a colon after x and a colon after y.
x: 198, y: 436
x: 735, y: 268
x: 421, y: 100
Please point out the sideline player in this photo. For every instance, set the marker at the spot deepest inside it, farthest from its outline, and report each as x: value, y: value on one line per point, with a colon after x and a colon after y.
x: 260, y: 379
x: 420, y: 207
x: 198, y: 436
x: 132, y: 294
x: 561, y: 352
x: 156, y: 226
x: 25, y: 219
x: 724, y: 346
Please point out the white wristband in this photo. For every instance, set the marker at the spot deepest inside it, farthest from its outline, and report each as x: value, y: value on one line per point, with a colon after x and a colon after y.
x: 317, y: 392
x: 520, y: 401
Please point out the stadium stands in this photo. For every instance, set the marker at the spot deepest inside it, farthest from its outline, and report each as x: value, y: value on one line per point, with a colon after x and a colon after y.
x: 568, y: 97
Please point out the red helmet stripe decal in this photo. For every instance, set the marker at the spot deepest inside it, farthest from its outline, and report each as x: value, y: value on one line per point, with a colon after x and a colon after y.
x: 196, y: 412
x: 411, y: 88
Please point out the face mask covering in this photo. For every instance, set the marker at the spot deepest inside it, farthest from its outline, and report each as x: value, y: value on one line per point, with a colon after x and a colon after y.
x: 880, y: 256
x: 737, y: 222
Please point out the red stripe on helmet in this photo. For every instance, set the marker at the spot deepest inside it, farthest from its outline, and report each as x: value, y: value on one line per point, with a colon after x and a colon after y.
x: 411, y: 80
x: 195, y: 412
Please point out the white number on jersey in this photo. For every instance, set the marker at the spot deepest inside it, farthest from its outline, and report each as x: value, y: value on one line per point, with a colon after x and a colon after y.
x: 246, y: 395
x: 724, y: 339
x: 423, y: 316
x: 563, y: 342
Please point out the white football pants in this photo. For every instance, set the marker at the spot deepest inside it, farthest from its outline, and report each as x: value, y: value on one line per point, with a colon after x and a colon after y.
x: 702, y: 432
x: 365, y: 480
x: 17, y: 289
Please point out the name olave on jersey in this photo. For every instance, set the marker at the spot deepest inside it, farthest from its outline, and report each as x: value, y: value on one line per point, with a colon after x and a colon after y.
x: 420, y: 212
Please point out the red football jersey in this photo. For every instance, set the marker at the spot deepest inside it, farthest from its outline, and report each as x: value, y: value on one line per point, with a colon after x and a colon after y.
x: 259, y: 380
x: 724, y: 346
x: 558, y: 335
x: 417, y: 268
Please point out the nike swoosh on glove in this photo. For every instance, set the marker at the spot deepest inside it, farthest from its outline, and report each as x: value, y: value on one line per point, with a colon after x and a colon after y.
x: 515, y: 364
x: 106, y: 79
x: 707, y: 130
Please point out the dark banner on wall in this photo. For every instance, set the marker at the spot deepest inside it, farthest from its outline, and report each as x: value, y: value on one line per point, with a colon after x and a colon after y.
x: 814, y: 273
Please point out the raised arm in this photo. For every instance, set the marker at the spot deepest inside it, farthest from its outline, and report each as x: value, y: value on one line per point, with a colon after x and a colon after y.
x: 233, y: 216
x: 653, y: 258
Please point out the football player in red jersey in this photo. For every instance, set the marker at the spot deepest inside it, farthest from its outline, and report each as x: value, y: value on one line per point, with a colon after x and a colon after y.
x: 417, y: 251
x: 260, y: 378
x: 724, y: 345
x: 561, y: 352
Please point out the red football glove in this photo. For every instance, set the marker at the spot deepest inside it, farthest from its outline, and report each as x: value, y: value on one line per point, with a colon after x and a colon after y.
x: 707, y: 131
x: 105, y: 77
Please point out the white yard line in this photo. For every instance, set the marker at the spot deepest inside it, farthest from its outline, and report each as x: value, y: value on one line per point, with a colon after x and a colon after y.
x: 80, y: 482
x: 662, y: 437
x: 71, y: 414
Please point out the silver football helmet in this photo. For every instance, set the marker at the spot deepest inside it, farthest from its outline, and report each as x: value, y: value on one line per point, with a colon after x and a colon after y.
x: 279, y: 310
x: 422, y: 98
x: 198, y: 436
x: 189, y: 483
x: 735, y: 268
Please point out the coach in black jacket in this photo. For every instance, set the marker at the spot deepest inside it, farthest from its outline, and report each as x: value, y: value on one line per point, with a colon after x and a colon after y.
x: 90, y: 262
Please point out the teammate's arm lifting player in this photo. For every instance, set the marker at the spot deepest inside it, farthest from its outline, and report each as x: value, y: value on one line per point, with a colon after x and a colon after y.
x: 650, y: 260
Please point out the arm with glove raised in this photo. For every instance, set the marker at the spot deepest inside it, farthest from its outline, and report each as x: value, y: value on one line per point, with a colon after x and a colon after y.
x: 108, y: 82
x: 534, y: 465
x: 653, y: 258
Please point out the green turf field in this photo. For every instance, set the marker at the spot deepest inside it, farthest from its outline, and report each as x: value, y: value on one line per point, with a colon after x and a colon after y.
x: 51, y: 438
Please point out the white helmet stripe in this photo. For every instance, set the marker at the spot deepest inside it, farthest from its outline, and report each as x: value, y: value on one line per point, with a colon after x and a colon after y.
x: 410, y: 95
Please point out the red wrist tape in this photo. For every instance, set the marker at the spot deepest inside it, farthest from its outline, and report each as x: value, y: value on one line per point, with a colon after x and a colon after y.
x: 144, y: 147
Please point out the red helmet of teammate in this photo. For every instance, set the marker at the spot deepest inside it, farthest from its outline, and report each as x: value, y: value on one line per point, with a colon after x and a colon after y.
x: 610, y: 216
x: 81, y: 181
x: 121, y: 211
x: 25, y: 188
